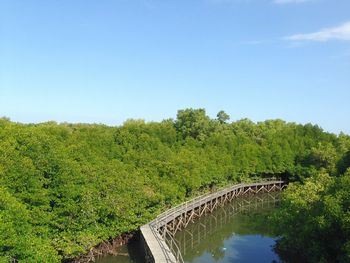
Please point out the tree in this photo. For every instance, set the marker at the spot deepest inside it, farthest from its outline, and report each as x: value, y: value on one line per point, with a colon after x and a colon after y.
x: 314, y: 219
x: 222, y: 117
x: 193, y: 123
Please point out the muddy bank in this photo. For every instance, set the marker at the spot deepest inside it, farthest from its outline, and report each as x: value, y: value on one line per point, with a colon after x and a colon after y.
x: 108, y: 247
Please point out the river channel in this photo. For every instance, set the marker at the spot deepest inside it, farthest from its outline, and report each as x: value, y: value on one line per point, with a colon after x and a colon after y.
x: 234, y: 233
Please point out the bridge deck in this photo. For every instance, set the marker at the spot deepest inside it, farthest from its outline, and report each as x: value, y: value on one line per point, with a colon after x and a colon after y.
x: 157, y: 245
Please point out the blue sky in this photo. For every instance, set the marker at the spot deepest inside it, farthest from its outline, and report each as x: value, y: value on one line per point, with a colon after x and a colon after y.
x: 107, y: 61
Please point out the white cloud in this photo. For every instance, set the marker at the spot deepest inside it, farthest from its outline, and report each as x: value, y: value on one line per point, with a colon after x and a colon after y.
x: 290, y: 1
x: 341, y: 32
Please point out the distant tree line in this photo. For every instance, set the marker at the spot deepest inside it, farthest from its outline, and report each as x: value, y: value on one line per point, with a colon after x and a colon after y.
x: 66, y: 187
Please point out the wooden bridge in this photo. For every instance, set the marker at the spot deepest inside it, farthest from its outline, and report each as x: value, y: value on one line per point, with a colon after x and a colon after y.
x: 158, y: 234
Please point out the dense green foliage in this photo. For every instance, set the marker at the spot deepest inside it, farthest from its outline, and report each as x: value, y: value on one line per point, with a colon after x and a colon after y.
x: 314, y: 217
x: 314, y: 220
x: 66, y: 187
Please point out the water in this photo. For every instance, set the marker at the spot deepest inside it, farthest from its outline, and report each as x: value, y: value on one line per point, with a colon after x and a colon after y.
x: 235, y: 233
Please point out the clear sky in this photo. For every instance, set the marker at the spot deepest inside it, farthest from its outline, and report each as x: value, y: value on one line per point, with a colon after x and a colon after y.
x: 107, y: 61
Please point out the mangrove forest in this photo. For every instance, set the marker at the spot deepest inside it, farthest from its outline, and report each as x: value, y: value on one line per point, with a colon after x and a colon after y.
x: 65, y: 188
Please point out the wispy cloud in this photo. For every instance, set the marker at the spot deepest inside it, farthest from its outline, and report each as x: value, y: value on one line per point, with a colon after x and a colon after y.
x: 290, y: 1
x: 341, y: 32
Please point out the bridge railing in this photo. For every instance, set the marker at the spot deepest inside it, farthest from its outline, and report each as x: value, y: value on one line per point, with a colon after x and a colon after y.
x: 168, y: 245
x: 203, y: 197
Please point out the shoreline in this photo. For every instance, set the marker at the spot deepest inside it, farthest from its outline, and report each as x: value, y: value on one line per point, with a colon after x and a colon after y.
x: 108, y: 247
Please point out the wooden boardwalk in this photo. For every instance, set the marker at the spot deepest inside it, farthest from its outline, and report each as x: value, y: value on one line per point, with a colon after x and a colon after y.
x: 158, y: 234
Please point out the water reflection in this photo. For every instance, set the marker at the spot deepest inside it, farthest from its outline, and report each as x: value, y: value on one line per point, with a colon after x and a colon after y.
x: 236, y: 232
